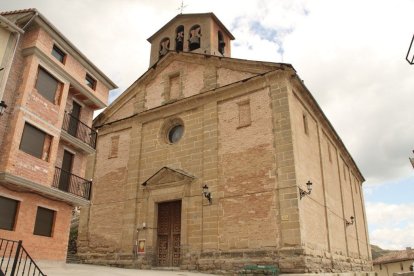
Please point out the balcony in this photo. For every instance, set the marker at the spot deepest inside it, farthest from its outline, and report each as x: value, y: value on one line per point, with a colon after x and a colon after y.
x: 74, y: 128
x: 68, y: 182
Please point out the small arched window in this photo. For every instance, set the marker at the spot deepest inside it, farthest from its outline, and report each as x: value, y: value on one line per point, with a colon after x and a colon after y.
x: 221, y: 43
x: 195, y: 37
x: 164, y: 46
x: 179, y: 38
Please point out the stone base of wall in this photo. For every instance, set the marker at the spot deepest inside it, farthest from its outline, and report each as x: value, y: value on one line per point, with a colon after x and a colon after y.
x: 292, y: 261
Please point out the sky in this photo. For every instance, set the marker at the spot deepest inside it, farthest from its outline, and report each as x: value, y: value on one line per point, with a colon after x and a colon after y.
x: 350, y: 54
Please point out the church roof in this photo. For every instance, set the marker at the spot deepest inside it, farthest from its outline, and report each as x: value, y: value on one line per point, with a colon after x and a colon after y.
x: 197, y: 15
x: 396, y: 256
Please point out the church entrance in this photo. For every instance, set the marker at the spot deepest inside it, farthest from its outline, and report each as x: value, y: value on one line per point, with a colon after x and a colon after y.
x: 169, y: 233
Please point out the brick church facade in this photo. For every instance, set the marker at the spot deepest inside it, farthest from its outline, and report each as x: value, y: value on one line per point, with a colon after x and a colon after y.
x: 203, y: 164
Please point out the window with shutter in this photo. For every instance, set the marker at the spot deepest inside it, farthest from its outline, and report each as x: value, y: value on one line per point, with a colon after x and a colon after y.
x: 35, y: 142
x: 47, y: 86
x: 58, y: 54
x: 90, y: 81
x: 44, y: 222
x: 8, y: 212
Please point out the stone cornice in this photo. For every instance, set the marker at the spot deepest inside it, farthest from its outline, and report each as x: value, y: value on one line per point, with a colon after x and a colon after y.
x: 47, y: 191
x: 74, y: 82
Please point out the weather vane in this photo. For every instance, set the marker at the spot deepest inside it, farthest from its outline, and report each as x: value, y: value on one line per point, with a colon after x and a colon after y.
x: 181, y: 8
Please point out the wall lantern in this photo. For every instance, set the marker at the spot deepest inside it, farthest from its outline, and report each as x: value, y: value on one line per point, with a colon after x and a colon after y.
x: 351, y: 221
x: 303, y: 193
x: 3, y: 106
x: 207, y: 194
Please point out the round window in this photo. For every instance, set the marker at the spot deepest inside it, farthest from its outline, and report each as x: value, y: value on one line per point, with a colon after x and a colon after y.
x: 175, y: 133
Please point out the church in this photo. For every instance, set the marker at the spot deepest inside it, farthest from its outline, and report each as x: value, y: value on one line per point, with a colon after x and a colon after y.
x: 210, y: 163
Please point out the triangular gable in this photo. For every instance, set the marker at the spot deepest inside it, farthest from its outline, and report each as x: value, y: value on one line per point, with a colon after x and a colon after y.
x: 242, y: 65
x: 167, y: 175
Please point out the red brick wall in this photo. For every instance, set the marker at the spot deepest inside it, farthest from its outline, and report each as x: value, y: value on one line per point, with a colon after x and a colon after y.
x: 86, y: 115
x: 41, y: 39
x: 79, y: 161
x: 39, y: 247
x: 27, y: 105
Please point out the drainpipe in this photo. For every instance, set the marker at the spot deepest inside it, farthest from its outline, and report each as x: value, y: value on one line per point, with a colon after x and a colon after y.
x: 18, y: 31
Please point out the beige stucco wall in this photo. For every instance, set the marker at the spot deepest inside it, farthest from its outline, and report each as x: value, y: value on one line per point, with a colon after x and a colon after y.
x: 389, y: 269
x: 4, y: 39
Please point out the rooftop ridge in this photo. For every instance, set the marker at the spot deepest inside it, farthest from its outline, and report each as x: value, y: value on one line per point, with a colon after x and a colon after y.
x: 19, y: 11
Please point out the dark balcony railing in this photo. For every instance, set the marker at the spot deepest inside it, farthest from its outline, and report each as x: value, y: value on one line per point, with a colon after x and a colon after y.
x: 68, y: 182
x: 76, y: 128
x: 14, y: 260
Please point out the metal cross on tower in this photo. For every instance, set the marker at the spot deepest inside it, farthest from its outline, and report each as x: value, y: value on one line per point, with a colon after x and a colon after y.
x: 410, y: 54
x: 181, y: 8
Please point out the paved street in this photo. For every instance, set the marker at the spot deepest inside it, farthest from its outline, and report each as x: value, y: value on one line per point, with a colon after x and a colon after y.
x: 93, y: 270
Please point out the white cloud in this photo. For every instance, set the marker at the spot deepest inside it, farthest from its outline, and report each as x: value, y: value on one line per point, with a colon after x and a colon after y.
x: 391, y: 225
x: 393, y: 238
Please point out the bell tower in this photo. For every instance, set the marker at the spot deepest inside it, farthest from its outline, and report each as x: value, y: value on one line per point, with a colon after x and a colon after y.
x: 201, y: 33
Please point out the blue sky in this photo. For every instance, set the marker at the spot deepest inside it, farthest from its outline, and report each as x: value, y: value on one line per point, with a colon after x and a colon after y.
x: 350, y: 54
x: 394, y: 191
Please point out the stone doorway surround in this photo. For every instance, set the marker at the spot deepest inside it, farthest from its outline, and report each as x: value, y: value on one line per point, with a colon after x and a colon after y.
x: 166, y: 185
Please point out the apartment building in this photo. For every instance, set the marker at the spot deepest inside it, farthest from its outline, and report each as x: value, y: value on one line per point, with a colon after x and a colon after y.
x: 48, y: 91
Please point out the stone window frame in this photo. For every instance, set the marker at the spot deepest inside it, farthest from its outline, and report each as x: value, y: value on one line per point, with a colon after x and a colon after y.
x: 58, y: 53
x: 164, y: 46
x: 179, y: 29
x: 167, y: 126
x: 90, y: 81
x: 221, y: 47
x: 167, y: 86
x: 197, y: 34
x: 114, y: 149
x: 47, y: 142
x: 248, y: 122
x: 37, y: 228
x: 59, y: 88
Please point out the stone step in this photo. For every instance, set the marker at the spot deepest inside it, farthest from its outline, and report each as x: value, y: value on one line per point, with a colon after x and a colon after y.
x: 73, y: 259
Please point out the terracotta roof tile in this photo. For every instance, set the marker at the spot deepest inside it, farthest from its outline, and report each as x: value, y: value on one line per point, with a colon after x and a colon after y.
x: 18, y: 11
x: 396, y: 256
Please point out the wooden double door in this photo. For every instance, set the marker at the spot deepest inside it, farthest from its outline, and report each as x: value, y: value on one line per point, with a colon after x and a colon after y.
x: 169, y: 233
